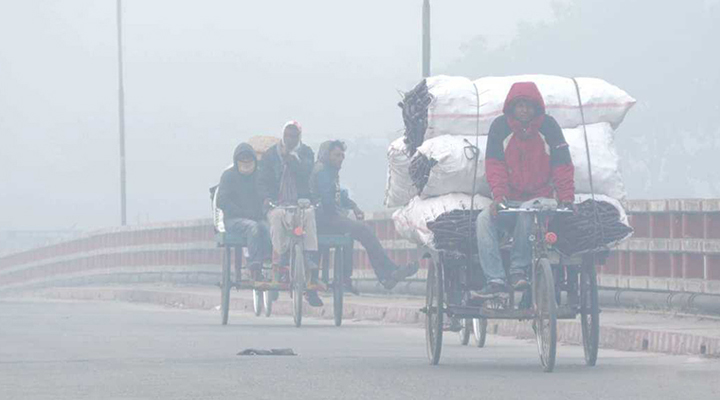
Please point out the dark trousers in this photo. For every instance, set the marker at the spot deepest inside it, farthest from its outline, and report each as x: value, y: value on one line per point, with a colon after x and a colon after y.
x: 341, y: 225
x: 257, y: 234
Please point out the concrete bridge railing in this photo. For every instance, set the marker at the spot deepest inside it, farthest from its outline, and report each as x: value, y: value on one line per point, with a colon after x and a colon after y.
x: 676, y: 247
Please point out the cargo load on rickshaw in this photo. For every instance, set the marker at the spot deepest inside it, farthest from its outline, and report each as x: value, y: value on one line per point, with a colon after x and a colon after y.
x: 438, y: 178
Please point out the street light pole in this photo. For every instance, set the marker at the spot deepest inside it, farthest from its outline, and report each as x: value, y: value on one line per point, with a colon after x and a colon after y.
x: 426, y: 39
x: 121, y: 115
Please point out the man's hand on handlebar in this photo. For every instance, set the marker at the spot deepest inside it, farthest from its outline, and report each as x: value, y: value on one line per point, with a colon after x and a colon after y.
x: 268, y: 205
x: 359, y: 214
x: 568, y: 205
x: 497, y: 205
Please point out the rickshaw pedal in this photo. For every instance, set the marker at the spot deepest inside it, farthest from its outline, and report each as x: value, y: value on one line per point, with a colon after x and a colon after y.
x: 494, y: 296
x: 453, y: 325
x: 317, y: 286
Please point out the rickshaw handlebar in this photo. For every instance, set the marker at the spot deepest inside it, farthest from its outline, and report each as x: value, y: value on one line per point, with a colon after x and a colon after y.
x: 521, y: 210
x: 292, y: 207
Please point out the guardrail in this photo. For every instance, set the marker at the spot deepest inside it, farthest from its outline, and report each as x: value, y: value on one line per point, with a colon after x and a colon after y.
x: 676, y: 247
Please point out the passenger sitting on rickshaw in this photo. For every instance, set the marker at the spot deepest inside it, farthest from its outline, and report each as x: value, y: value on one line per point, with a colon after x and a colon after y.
x: 241, y: 205
x: 284, y: 179
x: 332, y: 217
x: 526, y: 158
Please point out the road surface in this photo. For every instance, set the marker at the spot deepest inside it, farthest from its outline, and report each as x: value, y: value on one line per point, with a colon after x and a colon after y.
x: 110, y: 350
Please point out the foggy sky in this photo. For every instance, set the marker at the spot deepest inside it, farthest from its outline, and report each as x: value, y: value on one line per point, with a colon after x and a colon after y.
x: 200, y: 77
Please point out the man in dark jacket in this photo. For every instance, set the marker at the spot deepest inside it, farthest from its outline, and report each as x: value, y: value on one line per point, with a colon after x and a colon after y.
x: 285, y: 173
x: 527, y: 158
x: 332, y: 217
x: 286, y: 167
x: 241, y: 205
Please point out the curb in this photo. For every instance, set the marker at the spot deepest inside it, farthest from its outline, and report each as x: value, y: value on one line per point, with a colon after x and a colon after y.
x: 700, y: 304
x: 569, y: 331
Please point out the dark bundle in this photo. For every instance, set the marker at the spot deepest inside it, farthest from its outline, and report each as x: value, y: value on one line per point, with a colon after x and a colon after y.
x: 420, y: 167
x: 455, y: 231
x: 582, y: 231
x: 414, y: 106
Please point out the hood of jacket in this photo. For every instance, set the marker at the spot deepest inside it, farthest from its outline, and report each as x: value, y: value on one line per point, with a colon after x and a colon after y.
x: 243, y: 149
x: 530, y: 92
x: 527, y: 91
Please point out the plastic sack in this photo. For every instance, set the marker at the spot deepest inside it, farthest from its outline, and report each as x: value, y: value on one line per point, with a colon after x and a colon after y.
x: 579, y: 198
x: 261, y: 144
x: 592, y: 227
x: 399, y: 189
x: 454, y: 159
x: 454, y: 109
x: 450, y: 169
x: 411, y: 221
x: 606, y: 174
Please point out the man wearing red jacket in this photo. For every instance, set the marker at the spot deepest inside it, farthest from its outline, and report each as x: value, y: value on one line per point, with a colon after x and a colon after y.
x: 526, y: 158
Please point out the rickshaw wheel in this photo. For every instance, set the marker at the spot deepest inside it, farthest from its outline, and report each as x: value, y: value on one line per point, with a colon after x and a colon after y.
x: 225, y: 289
x: 434, y: 305
x: 589, y: 312
x: 467, y: 327
x: 545, y: 314
x: 298, y: 283
x: 267, y: 302
x: 480, y: 331
x: 257, y: 302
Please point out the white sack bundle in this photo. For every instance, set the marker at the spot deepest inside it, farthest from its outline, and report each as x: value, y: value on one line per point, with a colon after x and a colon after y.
x: 446, y: 164
x: 411, y: 220
x: 399, y: 188
x: 607, y: 178
x: 454, y: 109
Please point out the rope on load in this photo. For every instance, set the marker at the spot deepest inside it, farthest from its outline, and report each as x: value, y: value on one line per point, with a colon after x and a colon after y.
x: 476, y: 156
x: 587, y: 152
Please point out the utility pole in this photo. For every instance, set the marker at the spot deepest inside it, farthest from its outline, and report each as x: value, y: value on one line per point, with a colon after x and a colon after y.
x: 426, y: 39
x: 121, y: 116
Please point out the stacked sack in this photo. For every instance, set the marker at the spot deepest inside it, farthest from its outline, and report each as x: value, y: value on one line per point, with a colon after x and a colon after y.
x: 450, y: 105
x: 440, y: 161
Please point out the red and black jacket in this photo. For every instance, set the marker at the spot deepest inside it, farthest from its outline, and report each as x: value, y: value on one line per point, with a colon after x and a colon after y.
x: 523, y: 162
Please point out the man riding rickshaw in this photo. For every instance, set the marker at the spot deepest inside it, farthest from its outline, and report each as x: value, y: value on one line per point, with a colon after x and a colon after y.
x: 527, y: 158
x: 531, y: 175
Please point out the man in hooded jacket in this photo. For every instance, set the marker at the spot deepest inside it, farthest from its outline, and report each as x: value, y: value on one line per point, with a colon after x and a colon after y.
x: 332, y: 217
x: 285, y: 174
x: 242, y: 208
x: 527, y: 158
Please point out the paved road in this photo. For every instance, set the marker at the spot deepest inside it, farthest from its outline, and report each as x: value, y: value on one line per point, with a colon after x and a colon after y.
x: 80, y: 350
